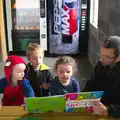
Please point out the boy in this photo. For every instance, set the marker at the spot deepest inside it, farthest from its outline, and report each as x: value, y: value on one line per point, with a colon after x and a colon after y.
x: 14, y: 86
x: 39, y: 74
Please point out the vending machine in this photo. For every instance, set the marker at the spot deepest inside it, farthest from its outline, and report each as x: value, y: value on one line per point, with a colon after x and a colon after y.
x: 59, y: 26
x: 26, y: 23
x: 68, y: 26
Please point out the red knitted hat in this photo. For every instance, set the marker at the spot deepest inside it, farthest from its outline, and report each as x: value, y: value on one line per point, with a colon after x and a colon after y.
x: 10, y: 63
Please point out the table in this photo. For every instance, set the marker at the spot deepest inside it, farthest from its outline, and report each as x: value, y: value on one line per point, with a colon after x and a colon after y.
x: 14, y: 112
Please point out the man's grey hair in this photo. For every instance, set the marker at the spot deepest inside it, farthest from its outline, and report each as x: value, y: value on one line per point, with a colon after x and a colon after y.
x: 114, y: 43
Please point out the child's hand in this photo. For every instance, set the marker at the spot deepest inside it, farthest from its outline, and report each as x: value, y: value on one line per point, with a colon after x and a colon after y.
x: 1, y: 97
x: 44, y: 85
x: 23, y: 105
x: 99, y: 109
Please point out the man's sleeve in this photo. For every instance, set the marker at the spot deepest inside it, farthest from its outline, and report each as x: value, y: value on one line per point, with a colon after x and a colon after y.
x: 91, y: 84
x: 27, y: 89
x: 114, y: 110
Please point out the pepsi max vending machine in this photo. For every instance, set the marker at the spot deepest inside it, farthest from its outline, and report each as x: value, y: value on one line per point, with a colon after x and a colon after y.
x: 68, y: 26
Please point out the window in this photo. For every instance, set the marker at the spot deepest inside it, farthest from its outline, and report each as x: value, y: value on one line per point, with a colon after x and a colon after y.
x: 94, y: 4
x: 27, y: 4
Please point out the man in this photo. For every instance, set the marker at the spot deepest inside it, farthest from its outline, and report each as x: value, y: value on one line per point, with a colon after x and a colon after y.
x: 106, y: 77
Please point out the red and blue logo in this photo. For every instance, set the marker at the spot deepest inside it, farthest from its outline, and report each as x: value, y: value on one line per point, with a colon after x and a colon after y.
x: 70, y: 4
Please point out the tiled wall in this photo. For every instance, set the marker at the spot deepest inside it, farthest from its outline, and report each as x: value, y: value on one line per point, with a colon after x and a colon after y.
x: 108, y: 24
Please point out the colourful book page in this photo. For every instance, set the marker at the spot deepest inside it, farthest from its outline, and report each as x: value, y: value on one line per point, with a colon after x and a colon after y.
x: 81, y: 101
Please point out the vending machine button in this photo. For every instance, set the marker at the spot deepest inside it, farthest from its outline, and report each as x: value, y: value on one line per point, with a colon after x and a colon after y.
x: 83, y: 17
x: 44, y: 24
x: 83, y: 22
x: 83, y: 13
x: 84, y: 6
x: 43, y: 36
x: 83, y: 27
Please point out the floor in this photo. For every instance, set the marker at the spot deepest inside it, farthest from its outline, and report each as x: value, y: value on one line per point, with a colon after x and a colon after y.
x: 84, y: 68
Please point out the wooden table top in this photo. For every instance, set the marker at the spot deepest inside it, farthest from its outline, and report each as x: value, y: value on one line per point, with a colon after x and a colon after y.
x: 15, y: 112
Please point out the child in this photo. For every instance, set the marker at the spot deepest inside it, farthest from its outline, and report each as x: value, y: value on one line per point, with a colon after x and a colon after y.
x: 39, y: 74
x: 64, y: 82
x: 14, y: 86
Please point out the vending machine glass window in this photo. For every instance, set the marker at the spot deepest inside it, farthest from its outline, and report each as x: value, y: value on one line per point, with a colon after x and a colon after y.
x: 25, y: 23
x: 25, y: 16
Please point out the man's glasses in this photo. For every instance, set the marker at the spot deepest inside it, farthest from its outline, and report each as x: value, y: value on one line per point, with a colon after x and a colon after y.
x: 106, y: 57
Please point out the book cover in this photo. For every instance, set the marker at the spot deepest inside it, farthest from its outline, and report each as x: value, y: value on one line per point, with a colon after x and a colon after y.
x: 45, y: 104
x: 28, y: 118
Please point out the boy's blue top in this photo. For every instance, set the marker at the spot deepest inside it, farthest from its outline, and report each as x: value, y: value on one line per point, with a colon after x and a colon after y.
x: 57, y: 88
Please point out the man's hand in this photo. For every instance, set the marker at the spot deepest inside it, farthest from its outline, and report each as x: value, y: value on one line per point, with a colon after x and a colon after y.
x: 99, y: 109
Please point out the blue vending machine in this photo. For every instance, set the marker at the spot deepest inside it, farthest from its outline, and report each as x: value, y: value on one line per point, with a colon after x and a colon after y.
x: 67, y: 26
